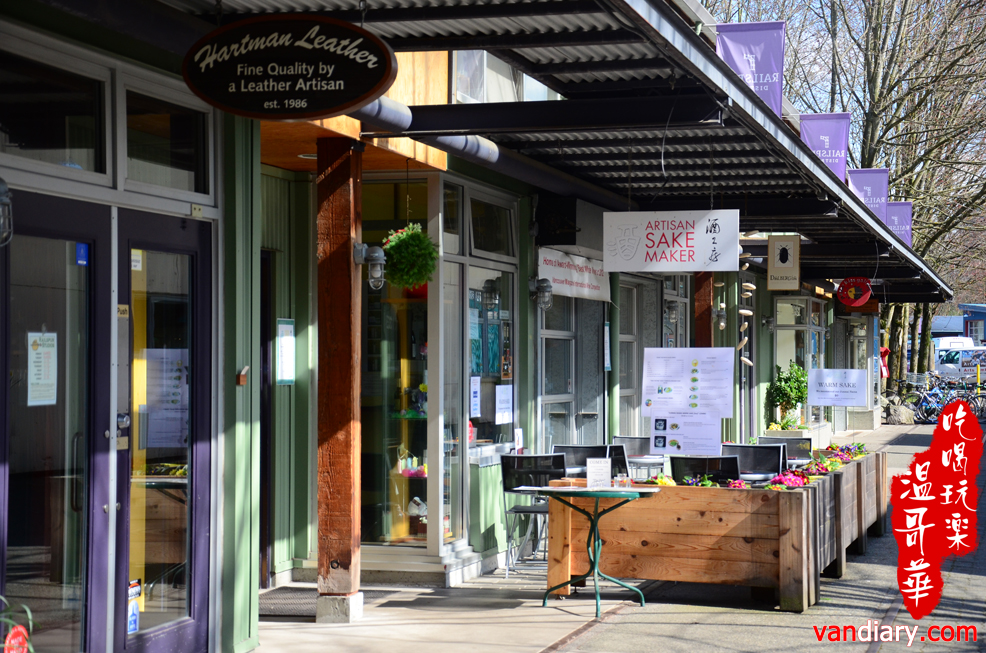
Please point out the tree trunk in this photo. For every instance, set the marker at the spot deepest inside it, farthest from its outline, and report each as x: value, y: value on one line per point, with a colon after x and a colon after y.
x: 925, y: 338
x: 914, y: 338
x: 891, y: 325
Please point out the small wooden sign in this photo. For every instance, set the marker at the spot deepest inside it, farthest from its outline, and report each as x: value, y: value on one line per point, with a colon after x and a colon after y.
x: 289, y: 67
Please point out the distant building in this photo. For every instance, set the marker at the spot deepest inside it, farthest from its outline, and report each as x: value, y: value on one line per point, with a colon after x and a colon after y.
x: 973, y: 316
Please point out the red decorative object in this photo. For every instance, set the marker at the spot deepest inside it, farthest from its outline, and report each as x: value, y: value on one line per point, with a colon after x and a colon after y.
x: 16, y: 641
x: 854, y: 291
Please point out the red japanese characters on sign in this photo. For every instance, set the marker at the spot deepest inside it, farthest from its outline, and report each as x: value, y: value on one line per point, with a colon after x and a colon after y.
x: 854, y: 291
x: 935, y: 502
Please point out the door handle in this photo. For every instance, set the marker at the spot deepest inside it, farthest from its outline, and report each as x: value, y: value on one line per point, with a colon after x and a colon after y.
x: 122, y: 421
x: 75, y: 493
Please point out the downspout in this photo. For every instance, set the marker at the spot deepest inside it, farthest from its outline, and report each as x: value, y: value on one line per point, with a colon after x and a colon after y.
x: 390, y: 115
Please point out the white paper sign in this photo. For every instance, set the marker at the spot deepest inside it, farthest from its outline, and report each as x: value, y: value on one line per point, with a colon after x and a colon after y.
x: 504, y: 404
x: 837, y: 388
x: 42, y: 368
x: 475, y: 410
x: 688, y: 378
x: 167, y: 373
x: 285, y: 351
x: 671, y: 241
x: 686, y: 433
x: 598, y: 472
x: 136, y: 260
x: 573, y: 276
x: 518, y: 439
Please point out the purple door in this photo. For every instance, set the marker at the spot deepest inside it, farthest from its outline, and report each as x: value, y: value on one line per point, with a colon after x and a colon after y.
x: 55, y: 312
x: 165, y: 342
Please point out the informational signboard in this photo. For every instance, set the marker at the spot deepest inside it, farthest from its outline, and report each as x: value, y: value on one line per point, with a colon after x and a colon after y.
x: 504, y: 404
x: 573, y: 276
x: 854, y: 291
x: 285, y: 351
x: 289, y: 67
x: 686, y: 433
x: 687, y: 379
x: 42, y: 368
x: 837, y: 388
x: 784, y: 262
x: 671, y: 241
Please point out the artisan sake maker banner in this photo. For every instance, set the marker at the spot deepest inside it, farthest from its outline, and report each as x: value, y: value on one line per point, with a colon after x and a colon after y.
x: 671, y: 241
x: 289, y: 67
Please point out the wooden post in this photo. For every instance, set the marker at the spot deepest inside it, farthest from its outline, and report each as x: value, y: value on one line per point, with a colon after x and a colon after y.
x: 859, y: 546
x: 882, y: 491
x: 559, y: 546
x: 703, y: 309
x: 793, y: 563
x: 340, y: 172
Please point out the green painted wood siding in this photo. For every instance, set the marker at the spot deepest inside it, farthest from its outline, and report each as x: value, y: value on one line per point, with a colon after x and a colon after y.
x: 286, y: 231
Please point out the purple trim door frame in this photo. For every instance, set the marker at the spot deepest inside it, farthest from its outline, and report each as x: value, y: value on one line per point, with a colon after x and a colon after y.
x: 66, y: 219
x: 148, y: 231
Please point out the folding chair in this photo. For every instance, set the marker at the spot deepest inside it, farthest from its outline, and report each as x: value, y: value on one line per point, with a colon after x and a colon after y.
x: 529, y: 470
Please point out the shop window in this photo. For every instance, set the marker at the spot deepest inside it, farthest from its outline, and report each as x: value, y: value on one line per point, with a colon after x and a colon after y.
x: 629, y: 398
x: 470, y: 76
x: 799, y: 337
x: 490, y: 353
x: 452, y: 223
x: 51, y: 115
x: 394, y: 398
x: 492, y: 232
x: 166, y: 144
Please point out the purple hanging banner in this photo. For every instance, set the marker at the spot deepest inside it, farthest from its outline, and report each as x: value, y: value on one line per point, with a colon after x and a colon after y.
x: 870, y: 185
x: 899, y: 220
x: 827, y: 134
x: 755, y: 51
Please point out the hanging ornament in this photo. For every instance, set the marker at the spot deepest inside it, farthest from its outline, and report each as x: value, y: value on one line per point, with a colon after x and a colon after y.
x: 718, y: 284
x: 742, y: 343
x: 746, y: 312
x: 746, y: 361
x: 745, y: 266
x: 748, y: 286
x: 746, y: 294
x: 743, y: 327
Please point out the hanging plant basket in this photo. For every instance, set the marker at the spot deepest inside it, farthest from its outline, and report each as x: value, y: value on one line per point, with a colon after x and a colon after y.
x: 411, y: 257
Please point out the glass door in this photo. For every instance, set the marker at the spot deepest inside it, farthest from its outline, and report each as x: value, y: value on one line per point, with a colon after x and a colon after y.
x: 54, y: 404
x: 165, y: 331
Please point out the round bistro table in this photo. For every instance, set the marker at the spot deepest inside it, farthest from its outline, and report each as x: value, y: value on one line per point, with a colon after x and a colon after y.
x: 593, y: 543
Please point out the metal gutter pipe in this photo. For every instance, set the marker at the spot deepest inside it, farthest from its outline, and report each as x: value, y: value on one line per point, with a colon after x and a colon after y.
x: 389, y: 115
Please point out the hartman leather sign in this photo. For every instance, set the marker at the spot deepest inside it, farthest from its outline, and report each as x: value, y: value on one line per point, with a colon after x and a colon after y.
x: 289, y: 67
x: 854, y: 291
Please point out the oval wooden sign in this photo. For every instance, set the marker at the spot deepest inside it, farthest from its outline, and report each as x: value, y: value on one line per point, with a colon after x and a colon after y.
x: 289, y: 67
x: 854, y: 291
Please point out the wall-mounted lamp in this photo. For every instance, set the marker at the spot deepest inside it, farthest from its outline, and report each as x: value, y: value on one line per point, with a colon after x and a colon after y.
x: 6, y: 214
x: 375, y: 259
x: 541, y: 290
x: 672, y: 312
x: 491, y: 294
x: 720, y: 317
x: 769, y: 323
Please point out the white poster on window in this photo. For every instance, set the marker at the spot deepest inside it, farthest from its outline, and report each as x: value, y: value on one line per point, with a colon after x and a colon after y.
x: 689, y: 379
x: 837, y: 388
x: 573, y: 276
x: 42, y: 368
x: 504, y: 404
x: 285, y: 351
x: 475, y: 405
x: 167, y: 373
x: 671, y: 241
x: 685, y: 433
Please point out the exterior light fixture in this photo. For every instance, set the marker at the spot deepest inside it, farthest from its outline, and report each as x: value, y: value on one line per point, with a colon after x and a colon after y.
x: 6, y: 215
x: 491, y: 294
x: 672, y: 312
x: 720, y: 317
x: 540, y: 290
x: 769, y: 323
x: 375, y: 259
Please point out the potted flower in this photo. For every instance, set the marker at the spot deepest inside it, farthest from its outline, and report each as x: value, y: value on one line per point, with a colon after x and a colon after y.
x: 788, y: 391
x: 411, y: 257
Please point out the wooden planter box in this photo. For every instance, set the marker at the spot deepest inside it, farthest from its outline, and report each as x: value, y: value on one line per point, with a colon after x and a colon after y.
x: 690, y: 534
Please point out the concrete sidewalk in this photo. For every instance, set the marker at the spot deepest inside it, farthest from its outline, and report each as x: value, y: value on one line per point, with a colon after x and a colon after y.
x: 494, y: 613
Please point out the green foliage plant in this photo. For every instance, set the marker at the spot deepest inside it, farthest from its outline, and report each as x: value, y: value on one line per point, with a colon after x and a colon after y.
x: 411, y: 257
x: 9, y: 617
x: 786, y: 391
